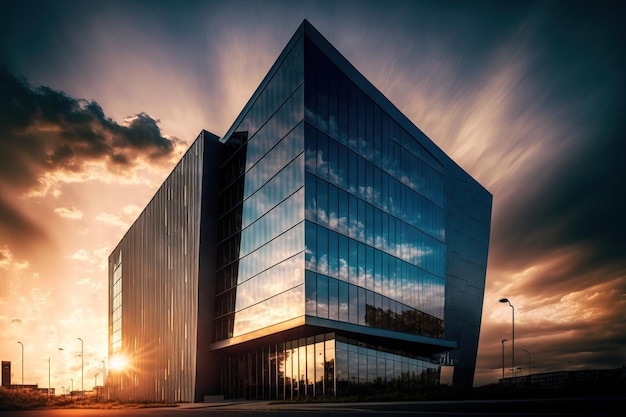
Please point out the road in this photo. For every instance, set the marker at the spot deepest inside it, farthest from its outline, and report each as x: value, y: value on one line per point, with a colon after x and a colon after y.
x: 565, y: 407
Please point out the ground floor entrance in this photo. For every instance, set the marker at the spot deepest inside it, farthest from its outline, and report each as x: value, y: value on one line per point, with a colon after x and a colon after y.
x: 323, y: 365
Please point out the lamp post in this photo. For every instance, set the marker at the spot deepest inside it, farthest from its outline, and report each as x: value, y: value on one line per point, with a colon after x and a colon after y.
x: 72, y: 387
x: 528, y: 361
x: 104, y: 379
x: 22, y: 387
x: 82, y: 367
x: 48, y: 377
x: 503, y: 340
x: 62, y: 350
x: 95, y: 384
x: 506, y: 300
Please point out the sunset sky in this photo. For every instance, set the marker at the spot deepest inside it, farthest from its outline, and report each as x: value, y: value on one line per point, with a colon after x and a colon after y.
x: 98, y: 101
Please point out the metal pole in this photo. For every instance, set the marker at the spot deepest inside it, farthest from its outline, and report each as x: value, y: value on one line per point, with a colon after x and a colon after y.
x: 528, y: 361
x: 82, y: 367
x: 22, y: 387
x: 506, y: 300
x: 48, y: 377
x: 513, y: 337
x: 104, y: 378
x: 503, y: 340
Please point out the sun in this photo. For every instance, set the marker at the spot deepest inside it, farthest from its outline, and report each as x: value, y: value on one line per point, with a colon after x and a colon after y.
x: 118, y: 362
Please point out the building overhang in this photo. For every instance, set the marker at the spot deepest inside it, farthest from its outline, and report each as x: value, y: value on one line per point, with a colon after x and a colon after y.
x: 306, y: 326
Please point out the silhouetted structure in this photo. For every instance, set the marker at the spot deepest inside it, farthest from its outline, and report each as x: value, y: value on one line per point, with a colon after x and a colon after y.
x: 564, y: 379
x: 6, y: 373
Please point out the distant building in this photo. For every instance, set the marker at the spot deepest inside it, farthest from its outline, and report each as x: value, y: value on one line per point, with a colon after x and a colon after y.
x: 560, y: 379
x: 323, y: 247
x: 6, y: 381
x: 6, y: 373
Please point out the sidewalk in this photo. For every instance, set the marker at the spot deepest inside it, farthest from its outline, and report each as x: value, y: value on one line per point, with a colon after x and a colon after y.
x: 268, y: 405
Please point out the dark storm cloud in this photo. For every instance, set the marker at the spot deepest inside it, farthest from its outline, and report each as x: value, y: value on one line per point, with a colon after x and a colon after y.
x: 557, y: 244
x: 45, y: 131
x: 577, y: 201
x: 582, y: 202
x: 574, y: 202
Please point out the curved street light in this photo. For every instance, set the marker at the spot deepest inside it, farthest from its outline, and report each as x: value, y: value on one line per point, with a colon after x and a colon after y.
x: 506, y: 300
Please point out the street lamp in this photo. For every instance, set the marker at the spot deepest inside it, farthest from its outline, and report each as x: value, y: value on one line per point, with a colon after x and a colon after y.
x: 506, y: 300
x: 503, y: 340
x: 72, y: 387
x: 528, y: 361
x: 104, y: 379
x: 61, y: 349
x: 22, y: 387
x: 48, y: 376
x: 82, y: 367
x: 95, y: 390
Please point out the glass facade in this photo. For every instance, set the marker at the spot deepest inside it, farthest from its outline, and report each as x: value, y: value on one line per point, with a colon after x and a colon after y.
x: 338, y: 251
x: 374, y: 209
x: 324, y: 365
x: 338, y: 214
x: 260, y: 277
x: 116, y: 307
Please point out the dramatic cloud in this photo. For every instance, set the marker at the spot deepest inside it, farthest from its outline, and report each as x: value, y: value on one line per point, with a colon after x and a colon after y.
x: 48, y: 139
x: 43, y: 130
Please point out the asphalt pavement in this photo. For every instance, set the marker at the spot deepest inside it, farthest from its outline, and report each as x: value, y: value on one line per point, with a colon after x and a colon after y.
x: 578, y: 406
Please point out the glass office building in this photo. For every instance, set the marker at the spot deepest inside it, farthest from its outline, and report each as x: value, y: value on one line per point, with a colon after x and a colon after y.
x: 323, y: 247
